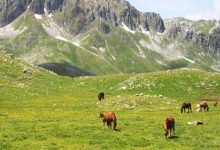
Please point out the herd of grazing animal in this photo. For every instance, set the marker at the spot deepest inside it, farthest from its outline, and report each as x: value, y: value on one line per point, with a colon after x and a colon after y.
x: 168, y: 123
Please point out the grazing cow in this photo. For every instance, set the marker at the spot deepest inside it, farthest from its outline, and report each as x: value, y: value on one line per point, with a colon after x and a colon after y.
x: 202, y: 106
x: 215, y: 104
x: 186, y: 106
x: 169, y: 124
x: 101, y: 96
x: 109, y: 118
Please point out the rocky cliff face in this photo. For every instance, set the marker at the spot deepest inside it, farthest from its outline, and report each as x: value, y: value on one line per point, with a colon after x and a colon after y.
x: 53, y: 5
x: 11, y: 9
x: 214, y: 41
x: 78, y: 15
x: 205, y: 34
x: 154, y: 21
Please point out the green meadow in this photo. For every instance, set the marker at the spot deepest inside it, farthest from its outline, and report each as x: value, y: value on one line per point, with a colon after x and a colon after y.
x: 40, y: 110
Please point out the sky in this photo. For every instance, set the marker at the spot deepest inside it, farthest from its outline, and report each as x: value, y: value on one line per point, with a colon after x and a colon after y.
x: 191, y: 9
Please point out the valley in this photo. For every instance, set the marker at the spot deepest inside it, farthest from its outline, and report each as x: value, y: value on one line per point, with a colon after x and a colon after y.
x: 40, y: 110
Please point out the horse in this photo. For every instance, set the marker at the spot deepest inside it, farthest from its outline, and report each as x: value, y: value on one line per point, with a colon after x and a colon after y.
x: 169, y: 125
x: 109, y: 118
x: 101, y: 96
x: 197, y: 123
x: 203, y: 106
x: 215, y: 104
x: 186, y: 106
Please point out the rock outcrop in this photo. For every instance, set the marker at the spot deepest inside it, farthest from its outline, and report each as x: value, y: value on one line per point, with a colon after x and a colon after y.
x: 214, y: 41
x: 53, y: 5
x: 11, y: 9
x: 154, y: 21
x: 181, y: 28
x: 37, y: 6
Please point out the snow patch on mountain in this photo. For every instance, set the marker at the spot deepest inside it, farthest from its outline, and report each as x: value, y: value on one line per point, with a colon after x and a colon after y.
x: 102, y: 50
x: 187, y: 59
x: 37, y: 16
x: 50, y: 15
x: 160, y: 62
x: 106, y: 44
x: 126, y: 28
x: 215, y: 69
x: 62, y: 38
x: 144, y: 31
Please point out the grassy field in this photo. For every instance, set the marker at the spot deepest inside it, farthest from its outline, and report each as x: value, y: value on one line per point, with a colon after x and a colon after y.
x: 40, y: 110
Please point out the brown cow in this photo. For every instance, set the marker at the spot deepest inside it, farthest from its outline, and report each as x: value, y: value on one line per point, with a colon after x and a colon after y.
x: 101, y: 96
x: 203, y: 106
x: 186, y: 106
x: 109, y: 118
x: 169, y: 124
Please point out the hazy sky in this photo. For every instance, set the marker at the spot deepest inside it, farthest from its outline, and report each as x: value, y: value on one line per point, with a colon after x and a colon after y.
x: 191, y: 9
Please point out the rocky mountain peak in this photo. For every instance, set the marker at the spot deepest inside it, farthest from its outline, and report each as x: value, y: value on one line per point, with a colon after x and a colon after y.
x: 78, y: 15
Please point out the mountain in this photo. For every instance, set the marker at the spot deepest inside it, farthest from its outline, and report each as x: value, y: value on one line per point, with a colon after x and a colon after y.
x: 77, y: 16
x: 106, y: 36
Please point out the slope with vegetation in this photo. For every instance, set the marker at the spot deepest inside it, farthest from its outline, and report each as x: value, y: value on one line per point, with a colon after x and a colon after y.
x: 40, y: 110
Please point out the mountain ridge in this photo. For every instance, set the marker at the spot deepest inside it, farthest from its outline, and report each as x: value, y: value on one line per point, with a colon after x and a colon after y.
x: 114, y: 11
x: 106, y: 37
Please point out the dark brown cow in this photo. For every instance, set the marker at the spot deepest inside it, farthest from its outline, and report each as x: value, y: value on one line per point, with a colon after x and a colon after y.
x: 203, y: 106
x: 169, y: 124
x: 101, y: 96
x: 186, y: 106
x: 109, y: 118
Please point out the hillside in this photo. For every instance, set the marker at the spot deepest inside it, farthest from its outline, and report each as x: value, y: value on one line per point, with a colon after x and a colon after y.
x: 106, y: 37
x: 41, y: 110
x: 20, y: 80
